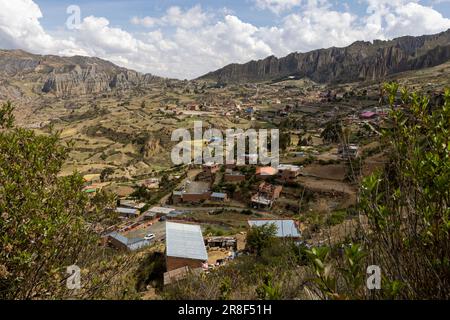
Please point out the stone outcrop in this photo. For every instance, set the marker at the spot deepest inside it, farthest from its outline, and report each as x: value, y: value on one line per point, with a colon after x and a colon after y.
x: 357, y: 62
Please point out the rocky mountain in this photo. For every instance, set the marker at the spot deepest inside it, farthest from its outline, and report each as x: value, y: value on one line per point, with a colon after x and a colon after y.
x: 67, y: 76
x: 357, y: 62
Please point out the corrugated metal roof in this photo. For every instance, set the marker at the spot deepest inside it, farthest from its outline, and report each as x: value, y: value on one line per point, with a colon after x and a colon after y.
x: 185, y: 241
x: 132, y: 244
x: 126, y: 211
x: 161, y: 210
x: 218, y: 195
x: 119, y: 237
x: 285, y: 228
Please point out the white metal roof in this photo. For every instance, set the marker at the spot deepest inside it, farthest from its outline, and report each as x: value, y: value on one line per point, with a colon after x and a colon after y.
x: 161, y: 210
x: 185, y: 241
x: 126, y: 210
x: 288, y: 167
x: 285, y: 228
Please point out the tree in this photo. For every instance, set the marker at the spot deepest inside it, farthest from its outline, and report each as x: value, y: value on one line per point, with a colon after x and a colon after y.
x: 104, y: 175
x: 285, y: 140
x: 407, y: 203
x: 406, y: 206
x: 46, y: 221
x: 261, y: 237
x: 332, y: 131
x: 6, y: 116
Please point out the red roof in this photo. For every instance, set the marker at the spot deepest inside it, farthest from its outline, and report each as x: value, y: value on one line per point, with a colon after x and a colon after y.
x: 368, y: 114
x: 266, y: 171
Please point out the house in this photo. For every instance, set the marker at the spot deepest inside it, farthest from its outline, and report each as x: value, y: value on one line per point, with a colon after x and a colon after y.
x: 131, y: 204
x: 157, y: 212
x: 185, y: 246
x: 193, y: 106
x: 250, y: 110
x: 299, y: 154
x: 288, y: 172
x: 211, y: 168
x: 152, y: 183
x: 348, y: 151
x: 121, y: 242
x: 221, y: 242
x: 284, y: 228
x: 127, y: 212
x: 270, y: 191
x: 92, y: 189
x: 260, y: 201
x: 192, y: 192
x: 267, y: 194
x: 90, y: 179
x: 266, y: 172
x: 233, y: 176
x: 219, y: 197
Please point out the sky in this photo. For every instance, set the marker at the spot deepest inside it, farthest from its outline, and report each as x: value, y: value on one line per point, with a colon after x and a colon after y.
x: 187, y: 38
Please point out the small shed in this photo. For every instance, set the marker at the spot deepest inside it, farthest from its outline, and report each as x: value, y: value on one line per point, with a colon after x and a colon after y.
x: 127, y: 212
x: 121, y: 242
x: 217, y: 196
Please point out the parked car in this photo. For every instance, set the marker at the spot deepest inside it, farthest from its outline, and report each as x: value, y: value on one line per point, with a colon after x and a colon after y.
x: 150, y: 236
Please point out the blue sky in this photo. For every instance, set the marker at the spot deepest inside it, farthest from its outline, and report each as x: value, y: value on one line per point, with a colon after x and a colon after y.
x: 119, y: 12
x: 185, y: 39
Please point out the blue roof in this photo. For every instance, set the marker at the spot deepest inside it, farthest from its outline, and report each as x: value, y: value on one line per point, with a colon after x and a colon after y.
x: 285, y: 228
x: 218, y: 195
x: 130, y: 243
x: 119, y: 237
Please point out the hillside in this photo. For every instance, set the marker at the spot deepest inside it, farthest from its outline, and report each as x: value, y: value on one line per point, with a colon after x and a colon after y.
x: 64, y: 76
x: 360, y: 61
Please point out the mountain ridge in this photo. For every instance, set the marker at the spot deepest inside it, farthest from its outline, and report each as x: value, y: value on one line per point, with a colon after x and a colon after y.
x: 69, y: 76
x: 362, y: 60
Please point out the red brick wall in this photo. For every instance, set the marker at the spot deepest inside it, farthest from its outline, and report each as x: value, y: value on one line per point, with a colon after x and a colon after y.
x: 196, y: 197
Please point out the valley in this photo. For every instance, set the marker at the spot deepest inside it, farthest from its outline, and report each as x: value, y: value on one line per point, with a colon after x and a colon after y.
x: 119, y: 123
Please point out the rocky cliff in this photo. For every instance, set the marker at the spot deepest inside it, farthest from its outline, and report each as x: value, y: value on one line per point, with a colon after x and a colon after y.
x: 357, y: 62
x: 69, y: 76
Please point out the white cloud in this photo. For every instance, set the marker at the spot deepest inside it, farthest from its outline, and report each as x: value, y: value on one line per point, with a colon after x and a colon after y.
x: 186, y: 43
x: 20, y: 27
x: 194, y: 17
x: 277, y: 6
x: 394, y: 18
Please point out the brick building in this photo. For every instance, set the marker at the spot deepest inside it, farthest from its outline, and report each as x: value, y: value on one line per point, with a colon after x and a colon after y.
x: 192, y: 192
x: 288, y: 172
x: 185, y: 246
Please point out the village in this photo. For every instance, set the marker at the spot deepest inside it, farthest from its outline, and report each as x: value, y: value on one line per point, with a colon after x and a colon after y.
x: 199, y: 215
